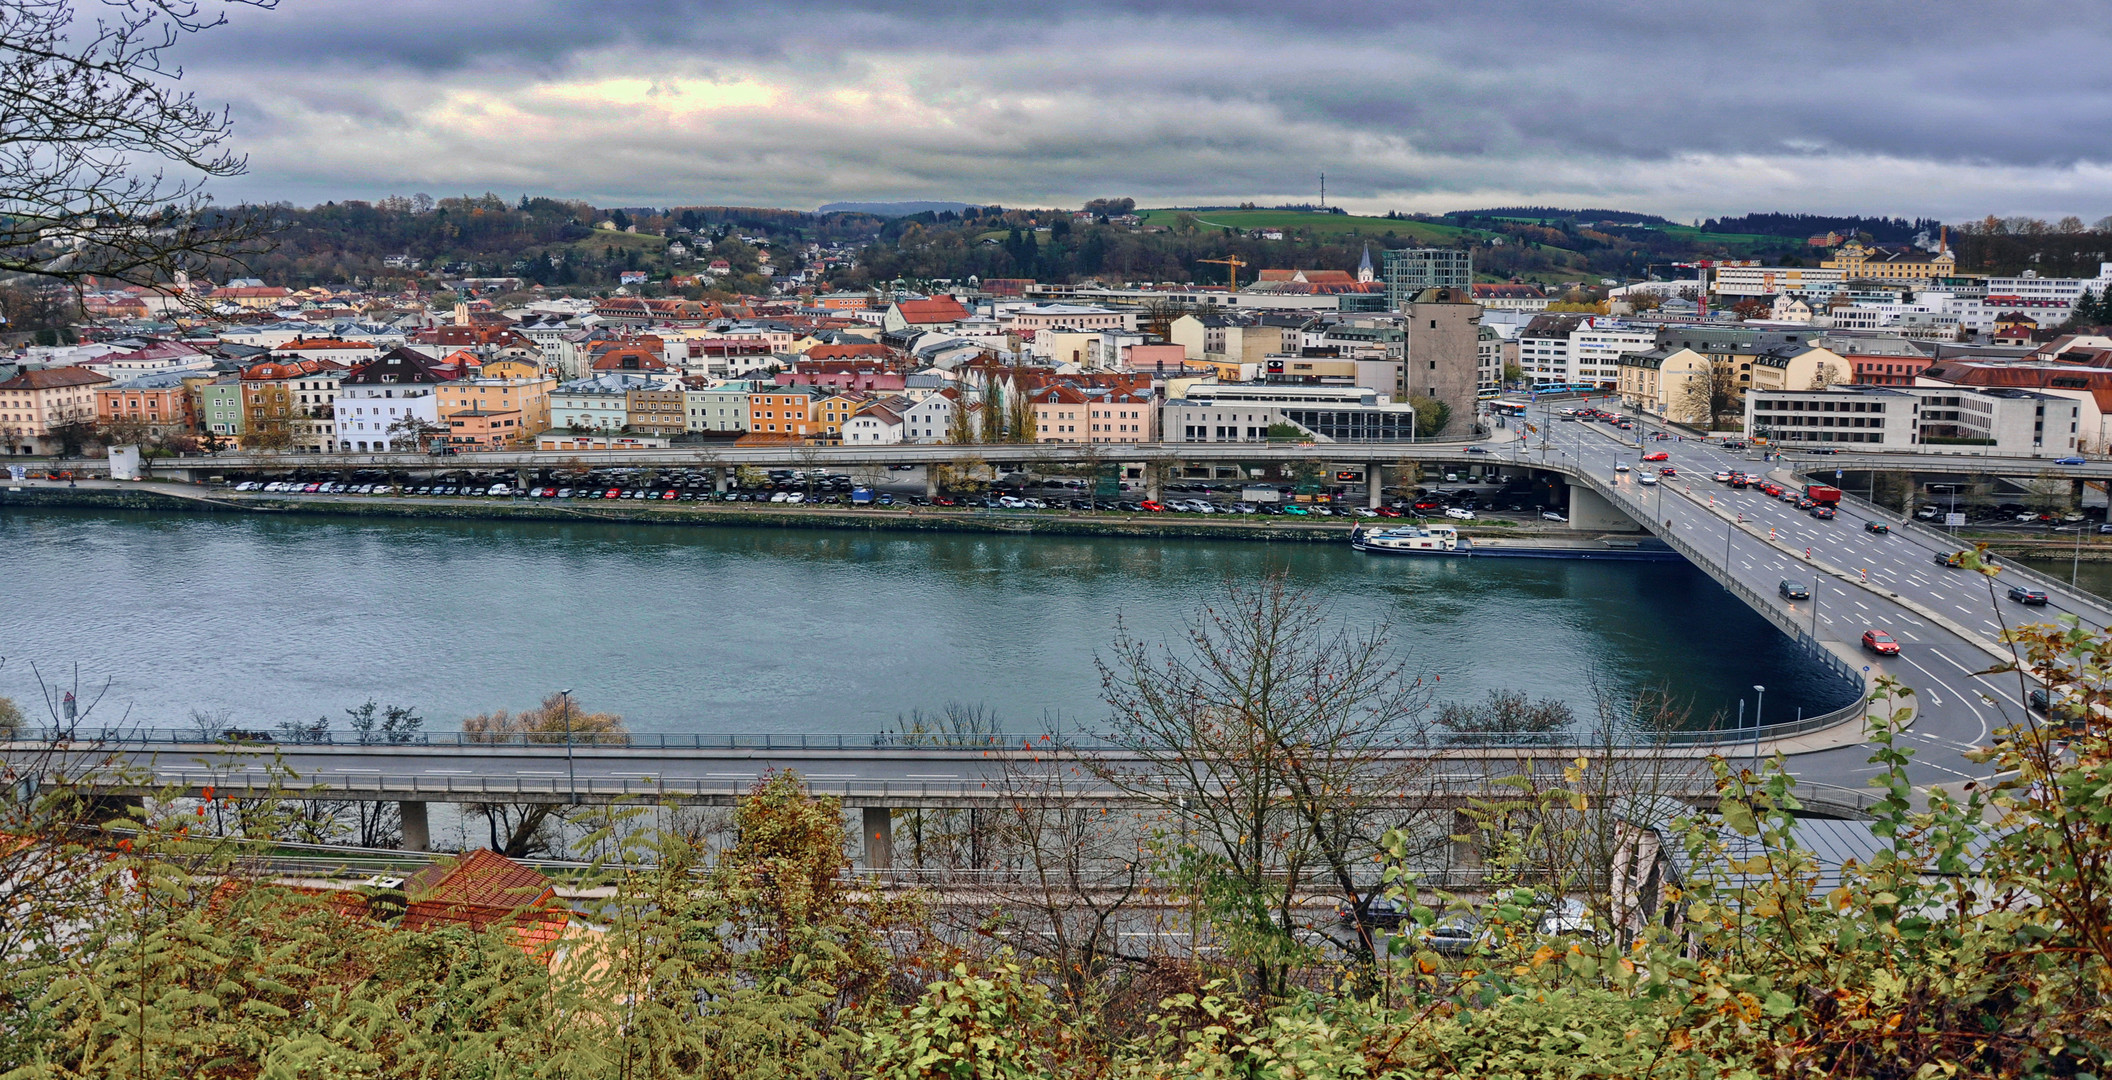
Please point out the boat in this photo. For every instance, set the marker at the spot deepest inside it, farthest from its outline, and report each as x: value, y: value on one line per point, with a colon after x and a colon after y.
x: 1440, y: 539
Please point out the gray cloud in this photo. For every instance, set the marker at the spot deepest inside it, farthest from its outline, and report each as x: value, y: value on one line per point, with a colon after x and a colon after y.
x: 1915, y: 108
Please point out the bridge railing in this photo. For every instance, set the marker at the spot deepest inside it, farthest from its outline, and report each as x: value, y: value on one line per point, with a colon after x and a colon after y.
x: 1809, y: 646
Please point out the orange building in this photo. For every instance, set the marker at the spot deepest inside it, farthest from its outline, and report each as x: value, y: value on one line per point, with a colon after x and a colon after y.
x: 480, y: 429
x: 161, y: 403
x: 784, y: 410
x: 503, y: 389
x: 35, y: 403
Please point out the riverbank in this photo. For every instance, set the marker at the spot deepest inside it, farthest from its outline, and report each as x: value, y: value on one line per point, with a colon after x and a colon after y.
x: 107, y: 496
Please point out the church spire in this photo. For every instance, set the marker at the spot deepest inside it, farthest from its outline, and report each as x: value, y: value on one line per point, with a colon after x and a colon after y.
x: 1364, y: 272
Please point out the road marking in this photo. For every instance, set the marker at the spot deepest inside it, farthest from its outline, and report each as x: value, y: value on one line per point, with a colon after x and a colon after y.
x: 449, y: 772
x: 734, y: 775
x: 1860, y: 604
x: 537, y: 772
x: 932, y: 776
x: 356, y: 770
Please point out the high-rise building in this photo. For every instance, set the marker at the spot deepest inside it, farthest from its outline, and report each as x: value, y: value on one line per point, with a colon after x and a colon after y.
x: 1411, y: 270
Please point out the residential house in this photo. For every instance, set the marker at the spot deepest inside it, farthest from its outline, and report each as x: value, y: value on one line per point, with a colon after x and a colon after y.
x: 936, y: 313
x: 929, y: 419
x: 880, y: 424
x: 1799, y: 368
x: 1060, y: 414
x: 159, y: 405
x: 723, y: 407
x: 1122, y: 416
x: 348, y: 353
x: 389, y: 403
x: 831, y: 412
x: 291, y: 405
x: 510, y: 397
x: 597, y: 404
x: 220, y: 406
x: 783, y: 410
x: 655, y: 407
x: 34, y: 405
x: 1674, y: 383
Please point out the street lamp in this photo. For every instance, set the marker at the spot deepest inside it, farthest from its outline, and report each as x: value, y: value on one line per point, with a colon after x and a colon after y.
x: 571, y: 774
x: 1759, y: 699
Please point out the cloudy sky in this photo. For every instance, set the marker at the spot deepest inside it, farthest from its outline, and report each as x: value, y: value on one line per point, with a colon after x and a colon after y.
x: 1927, y: 108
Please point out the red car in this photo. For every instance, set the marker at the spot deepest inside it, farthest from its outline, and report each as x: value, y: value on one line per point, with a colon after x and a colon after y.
x: 1388, y: 511
x: 1658, y: 456
x: 1669, y: 471
x: 1152, y: 506
x: 1881, y: 643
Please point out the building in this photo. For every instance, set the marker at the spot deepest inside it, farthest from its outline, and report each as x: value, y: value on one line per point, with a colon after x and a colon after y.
x: 1673, y: 383
x: 1931, y: 420
x: 1799, y: 367
x: 1121, y: 417
x: 220, y: 407
x: 1511, y: 297
x: 503, y: 390
x: 348, y: 353
x: 1443, y: 351
x: 1901, y: 264
x: 717, y: 408
x: 36, y: 405
x: 655, y: 407
x: 1059, y: 414
x: 1572, y: 349
x: 1745, y: 282
x: 783, y: 410
x: 1219, y: 412
x: 928, y: 420
x: 936, y: 313
x: 1031, y: 318
x: 879, y: 425
x: 155, y: 405
x: 1409, y: 271
x: 390, y: 403
x: 597, y: 404
x: 291, y: 405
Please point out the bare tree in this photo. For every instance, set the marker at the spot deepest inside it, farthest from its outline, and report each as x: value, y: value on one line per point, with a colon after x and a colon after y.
x: 1273, y: 740
x: 103, y: 160
x: 519, y: 829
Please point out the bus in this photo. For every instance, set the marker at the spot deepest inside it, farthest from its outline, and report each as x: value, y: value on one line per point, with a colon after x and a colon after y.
x: 1508, y: 408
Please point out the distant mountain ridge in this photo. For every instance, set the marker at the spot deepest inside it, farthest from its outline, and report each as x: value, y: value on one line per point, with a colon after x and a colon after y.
x: 892, y: 209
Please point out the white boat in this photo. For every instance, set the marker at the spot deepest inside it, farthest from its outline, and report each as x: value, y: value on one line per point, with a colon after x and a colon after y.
x: 1427, y: 539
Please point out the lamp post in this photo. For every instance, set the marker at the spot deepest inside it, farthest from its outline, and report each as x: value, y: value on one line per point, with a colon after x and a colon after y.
x: 1759, y: 699
x: 571, y: 775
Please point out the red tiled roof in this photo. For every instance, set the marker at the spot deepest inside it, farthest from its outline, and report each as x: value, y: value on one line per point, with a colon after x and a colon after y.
x: 943, y: 309
x: 849, y: 352
x: 53, y: 379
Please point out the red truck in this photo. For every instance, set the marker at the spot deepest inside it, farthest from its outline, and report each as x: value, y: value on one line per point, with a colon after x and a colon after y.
x: 1823, y: 494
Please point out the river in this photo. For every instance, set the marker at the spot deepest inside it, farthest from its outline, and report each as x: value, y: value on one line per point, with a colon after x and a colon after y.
x: 268, y: 619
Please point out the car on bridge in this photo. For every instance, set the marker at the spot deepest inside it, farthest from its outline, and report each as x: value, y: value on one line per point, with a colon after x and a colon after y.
x: 1658, y: 455
x: 1620, y: 466
x: 1822, y: 512
x: 1668, y: 472
x: 1881, y: 643
x: 1646, y: 480
x: 2071, y: 461
x: 1876, y: 527
x: 1725, y: 476
x: 1952, y: 559
x: 1793, y: 590
x: 2028, y: 597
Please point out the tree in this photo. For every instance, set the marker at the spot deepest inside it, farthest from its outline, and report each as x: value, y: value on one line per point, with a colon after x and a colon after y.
x: 1431, y: 415
x: 92, y: 133
x: 2050, y: 493
x: 960, y: 421
x: 1019, y: 419
x: 993, y: 410
x: 416, y: 431
x: 10, y: 718
x: 1712, y: 397
x: 522, y: 829
x: 1264, y: 742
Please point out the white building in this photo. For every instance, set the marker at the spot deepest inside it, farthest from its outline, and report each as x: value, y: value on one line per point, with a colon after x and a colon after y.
x: 719, y: 408
x: 2066, y: 291
x: 1810, y: 282
x: 601, y: 403
x: 1235, y: 412
x: 880, y: 425
x: 927, y: 420
x: 1922, y: 419
x: 1579, y: 348
x: 379, y: 402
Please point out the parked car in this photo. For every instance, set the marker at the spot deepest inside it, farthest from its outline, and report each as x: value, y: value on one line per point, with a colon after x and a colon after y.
x: 2030, y: 597
x: 1152, y: 506
x: 1793, y: 590
x: 1550, y: 515
x: 1380, y: 912
x: 1457, y: 514
x: 1881, y: 643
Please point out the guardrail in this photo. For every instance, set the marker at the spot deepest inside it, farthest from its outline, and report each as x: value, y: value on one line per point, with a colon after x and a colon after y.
x: 1767, y: 608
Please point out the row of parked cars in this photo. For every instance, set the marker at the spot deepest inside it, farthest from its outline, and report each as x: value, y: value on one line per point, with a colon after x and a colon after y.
x: 297, y: 487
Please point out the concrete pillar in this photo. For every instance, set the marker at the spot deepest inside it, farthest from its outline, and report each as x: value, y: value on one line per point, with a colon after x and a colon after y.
x: 718, y: 479
x: 931, y: 481
x: 417, y: 836
x: 1588, y: 511
x: 1154, y: 482
x: 1374, y: 486
x: 879, y: 838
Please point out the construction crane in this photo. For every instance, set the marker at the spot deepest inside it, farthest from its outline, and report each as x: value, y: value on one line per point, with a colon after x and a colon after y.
x: 1231, y: 266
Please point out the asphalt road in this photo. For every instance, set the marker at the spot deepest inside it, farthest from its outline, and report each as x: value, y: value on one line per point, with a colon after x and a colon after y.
x: 1956, y: 707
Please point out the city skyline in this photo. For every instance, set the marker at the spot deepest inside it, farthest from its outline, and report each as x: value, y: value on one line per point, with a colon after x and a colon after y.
x: 1926, y: 110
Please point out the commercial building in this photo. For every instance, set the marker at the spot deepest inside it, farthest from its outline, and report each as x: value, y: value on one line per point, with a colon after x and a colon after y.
x: 389, y: 403
x: 1930, y: 420
x: 1805, y: 282
x: 1218, y: 412
x: 1571, y: 349
x: 156, y: 405
x: 502, y: 389
x: 291, y: 405
x: 717, y: 408
x: 1409, y: 271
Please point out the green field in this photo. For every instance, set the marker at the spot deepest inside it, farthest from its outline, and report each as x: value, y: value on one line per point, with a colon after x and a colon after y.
x: 1326, y: 225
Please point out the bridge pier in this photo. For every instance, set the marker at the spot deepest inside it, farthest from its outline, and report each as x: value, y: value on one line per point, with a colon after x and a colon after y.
x: 931, y: 482
x: 1588, y: 510
x: 718, y: 479
x: 1374, y: 486
x: 417, y: 835
x: 879, y: 833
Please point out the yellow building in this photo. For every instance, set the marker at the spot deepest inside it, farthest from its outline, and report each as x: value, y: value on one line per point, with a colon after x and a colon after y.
x: 1672, y: 383
x: 1800, y: 369
x: 502, y: 387
x: 1904, y: 265
x: 827, y: 415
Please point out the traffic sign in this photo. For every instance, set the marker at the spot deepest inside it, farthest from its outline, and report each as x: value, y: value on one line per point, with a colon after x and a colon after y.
x: 1954, y: 520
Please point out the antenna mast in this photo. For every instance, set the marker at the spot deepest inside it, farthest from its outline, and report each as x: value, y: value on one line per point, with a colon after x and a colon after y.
x: 1323, y: 191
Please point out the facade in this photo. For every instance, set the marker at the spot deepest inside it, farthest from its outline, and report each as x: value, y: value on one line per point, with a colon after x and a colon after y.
x: 1443, y: 350
x: 384, y: 404
x: 1051, y: 316
x: 655, y: 408
x: 220, y: 407
x: 1119, y: 417
x: 1059, y: 414
x: 1511, y: 297
x: 34, y: 404
x: 928, y: 419
x: 1409, y: 271
x: 880, y: 425
x: 598, y: 404
x: 1244, y: 413
x: 485, y: 429
x: 717, y: 408
x: 1799, y: 368
x: 782, y: 410
x: 159, y: 405
x: 1571, y: 349
x: 1673, y: 383
x: 1903, y: 265
x: 348, y: 353
x: 291, y: 405
x: 1806, y: 282
x: 1930, y: 420
x: 502, y: 387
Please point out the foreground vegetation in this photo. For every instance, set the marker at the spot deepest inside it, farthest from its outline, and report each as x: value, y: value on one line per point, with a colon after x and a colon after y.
x: 1975, y: 941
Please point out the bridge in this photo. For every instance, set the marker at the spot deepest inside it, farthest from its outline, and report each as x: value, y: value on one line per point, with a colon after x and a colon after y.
x: 1945, y: 620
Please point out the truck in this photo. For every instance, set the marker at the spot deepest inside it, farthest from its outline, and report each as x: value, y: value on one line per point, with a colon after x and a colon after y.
x: 1823, y: 494
x: 1260, y: 495
x: 861, y: 496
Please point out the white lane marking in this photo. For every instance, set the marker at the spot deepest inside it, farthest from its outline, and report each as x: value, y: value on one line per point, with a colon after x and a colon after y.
x: 355, y: 770
x: 537, y: 772
x: 733, y: 775
x: 932, y: 776
x: 1860, y: 604
x: 449, y: 772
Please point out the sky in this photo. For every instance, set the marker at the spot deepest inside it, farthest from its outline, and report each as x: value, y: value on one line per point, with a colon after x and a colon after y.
x: 1928, y: 108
